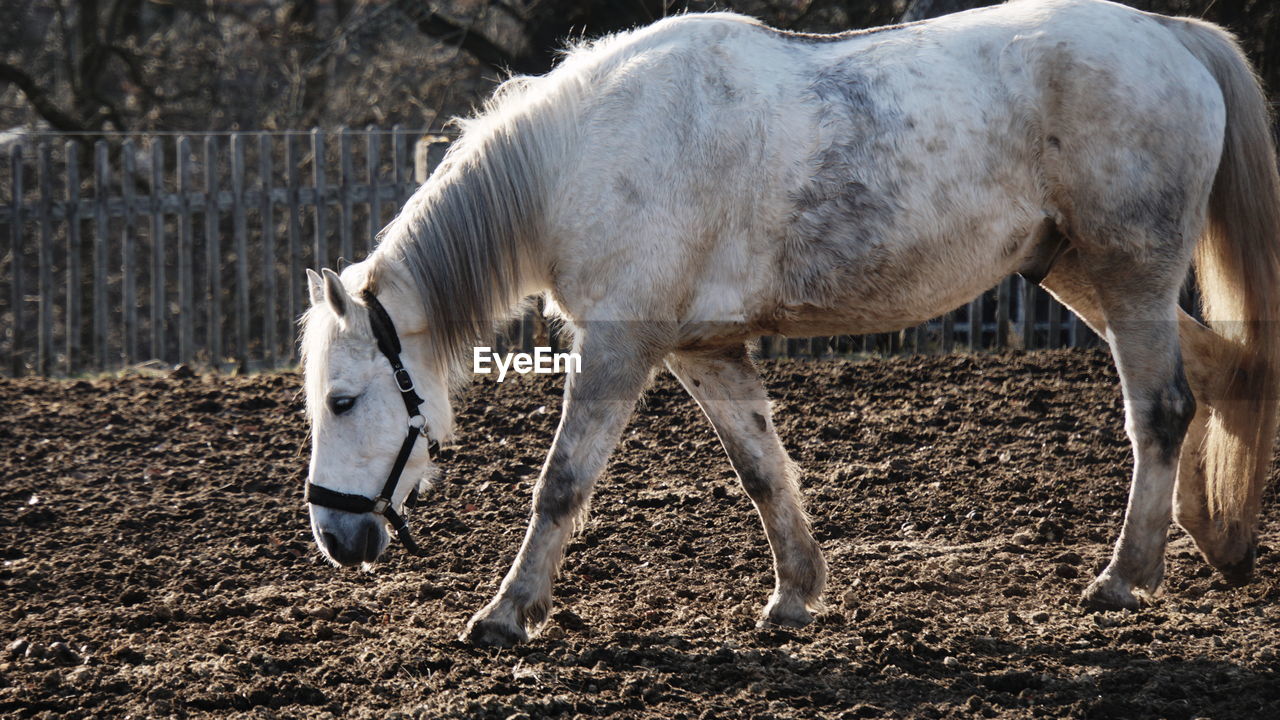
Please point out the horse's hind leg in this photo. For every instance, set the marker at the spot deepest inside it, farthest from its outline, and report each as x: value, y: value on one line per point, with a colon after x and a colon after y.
x: 1203, y: 351
x: 728, y: 389
x: 1135, y: 309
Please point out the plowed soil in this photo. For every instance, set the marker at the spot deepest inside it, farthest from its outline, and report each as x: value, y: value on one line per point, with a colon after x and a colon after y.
x: 157, y: 561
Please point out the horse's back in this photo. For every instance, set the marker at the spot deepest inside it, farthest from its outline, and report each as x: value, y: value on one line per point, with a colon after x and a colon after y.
x: 875, y: 178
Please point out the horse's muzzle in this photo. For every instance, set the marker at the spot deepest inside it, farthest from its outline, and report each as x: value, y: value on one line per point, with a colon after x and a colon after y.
x: 350, y: 539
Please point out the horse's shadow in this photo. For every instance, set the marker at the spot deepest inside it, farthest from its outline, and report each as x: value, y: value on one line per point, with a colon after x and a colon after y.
x: 1006, y: 678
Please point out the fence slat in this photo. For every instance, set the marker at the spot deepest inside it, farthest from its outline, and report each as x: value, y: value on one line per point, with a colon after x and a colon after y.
x: 320, y: 253
x: 101, y: 248
x: 213, y: 250
x: 128, y: 270
x: 157, y: 251
x: 72, y: 315
x: 186, y: 242
x: 949, y: 332
x: 1004, y: 296
x: 975, y: 323
x: 1028, y: 331
x: 44, y: 327
x: 526, y: 331
x: 241, y: 230
x: 267, y: 216
x: 346, y: 250
x: 17, y: 295
x: 372, y: 155
x: 399, y: 164
x: 1055, y: 325
x: 295, y: 282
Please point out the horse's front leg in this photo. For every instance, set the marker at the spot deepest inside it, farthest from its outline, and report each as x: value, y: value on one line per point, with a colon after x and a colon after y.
x: 598, y: 401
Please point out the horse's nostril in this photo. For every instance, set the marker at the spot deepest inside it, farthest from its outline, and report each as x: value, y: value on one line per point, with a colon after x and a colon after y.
x: 352, y: 546
x: 371, y: 543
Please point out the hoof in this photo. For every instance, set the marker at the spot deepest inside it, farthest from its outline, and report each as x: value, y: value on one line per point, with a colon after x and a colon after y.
x: 1240, y: 572
x: 492, y: 633
x: 1106, y: 594
x: 787, y: 616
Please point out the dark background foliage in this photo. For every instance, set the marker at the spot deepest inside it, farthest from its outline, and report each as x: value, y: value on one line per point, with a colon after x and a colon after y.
x: 92, y: 65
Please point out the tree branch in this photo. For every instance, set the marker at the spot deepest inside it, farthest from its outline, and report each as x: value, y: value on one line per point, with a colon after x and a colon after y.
x: 479, y: 46
x: 57, y: 118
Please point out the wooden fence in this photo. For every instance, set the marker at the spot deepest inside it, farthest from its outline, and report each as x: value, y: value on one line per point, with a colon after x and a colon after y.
x: 191, y: 248
x: 185, y: 248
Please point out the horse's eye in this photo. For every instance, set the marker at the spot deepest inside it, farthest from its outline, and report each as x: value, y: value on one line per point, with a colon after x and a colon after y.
x: 341, y: 403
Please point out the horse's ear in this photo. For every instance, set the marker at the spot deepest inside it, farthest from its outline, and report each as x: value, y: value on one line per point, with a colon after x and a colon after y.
x: 315, y: 286
x: 334, y: 293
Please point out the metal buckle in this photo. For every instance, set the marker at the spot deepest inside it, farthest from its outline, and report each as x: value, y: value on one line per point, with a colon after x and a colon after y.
x: 380, y: 505
x: 403, y: 380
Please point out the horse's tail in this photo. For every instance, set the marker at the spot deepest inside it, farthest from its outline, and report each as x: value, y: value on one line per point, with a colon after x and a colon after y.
x: 1237, y: 267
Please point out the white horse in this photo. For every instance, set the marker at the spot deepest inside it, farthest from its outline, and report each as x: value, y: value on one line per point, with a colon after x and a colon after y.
x: 679, y: 190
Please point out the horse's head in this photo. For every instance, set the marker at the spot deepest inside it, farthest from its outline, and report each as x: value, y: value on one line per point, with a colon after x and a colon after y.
x: 364, y: 419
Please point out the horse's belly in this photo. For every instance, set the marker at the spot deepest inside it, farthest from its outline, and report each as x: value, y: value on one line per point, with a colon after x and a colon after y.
x: 895, y: 285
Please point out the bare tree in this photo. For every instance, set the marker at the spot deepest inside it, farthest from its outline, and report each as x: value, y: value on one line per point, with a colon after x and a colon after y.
x: 91, y: 43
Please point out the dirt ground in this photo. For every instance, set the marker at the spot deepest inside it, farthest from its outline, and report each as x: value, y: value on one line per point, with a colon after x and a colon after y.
x: 157, y: 561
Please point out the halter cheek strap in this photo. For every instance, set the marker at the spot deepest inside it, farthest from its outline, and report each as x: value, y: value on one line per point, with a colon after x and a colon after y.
x: 384, y: 332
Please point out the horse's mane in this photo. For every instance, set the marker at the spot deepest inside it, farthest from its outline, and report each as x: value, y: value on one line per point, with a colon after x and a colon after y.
x: 466, y: 238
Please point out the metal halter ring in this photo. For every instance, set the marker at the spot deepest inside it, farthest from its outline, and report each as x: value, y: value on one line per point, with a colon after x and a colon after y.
x: 419, y: 423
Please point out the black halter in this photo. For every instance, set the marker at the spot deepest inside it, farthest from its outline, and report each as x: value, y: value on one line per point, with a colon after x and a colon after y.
x: 389, y: 343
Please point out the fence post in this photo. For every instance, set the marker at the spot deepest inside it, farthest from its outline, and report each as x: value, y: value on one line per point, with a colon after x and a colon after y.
x: 101, y: 246
x: 128, y: 270
x: 17, y: 296
x: 267, y: 216
x: 295, y: 301
x: 346, y: 249
x: 1055, y: 325
x: 320, y: 254
x: 371, y: 157
x: 44, y: 337
x: 1004, y: 295
x: 1028, y: 313
x: 975, y: 323
x: 213, y: 249
x: 186, y: 293
x: 72, y: 316
x: 241, y: 231
x: 526, y: 331
x: 398, y: 163
x: 949, y: 332
x: 157, y: 250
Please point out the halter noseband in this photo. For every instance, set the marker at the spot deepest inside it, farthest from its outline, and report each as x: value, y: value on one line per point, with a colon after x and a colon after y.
x: 389, y: 343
